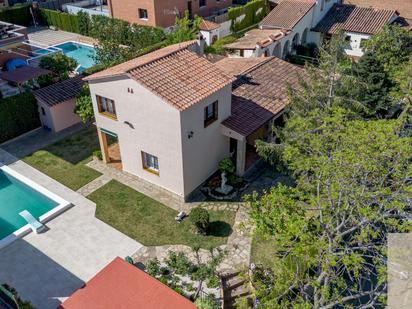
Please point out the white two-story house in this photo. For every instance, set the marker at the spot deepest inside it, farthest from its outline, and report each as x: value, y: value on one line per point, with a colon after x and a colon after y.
x: 176, y: 115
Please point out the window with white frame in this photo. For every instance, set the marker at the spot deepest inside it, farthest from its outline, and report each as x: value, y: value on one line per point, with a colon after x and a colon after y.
x: 150, y: 162
x: 202, y: 3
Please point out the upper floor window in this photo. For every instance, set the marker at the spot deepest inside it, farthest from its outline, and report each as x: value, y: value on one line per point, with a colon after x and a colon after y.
x: 150, y: 162
x: 143, y: 14
x: 202, y: 3
x: 322, y: 4
x: 106, y: 106
x: 211, y: 113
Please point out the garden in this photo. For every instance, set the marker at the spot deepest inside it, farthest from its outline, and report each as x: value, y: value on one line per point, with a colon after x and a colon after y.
x: 153, y: 224
x: 65, y: 160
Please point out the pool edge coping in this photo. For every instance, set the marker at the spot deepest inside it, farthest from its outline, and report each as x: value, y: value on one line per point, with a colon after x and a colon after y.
x: 62, y: 206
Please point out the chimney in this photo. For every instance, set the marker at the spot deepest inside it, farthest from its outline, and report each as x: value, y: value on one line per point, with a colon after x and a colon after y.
x: 200, y: 48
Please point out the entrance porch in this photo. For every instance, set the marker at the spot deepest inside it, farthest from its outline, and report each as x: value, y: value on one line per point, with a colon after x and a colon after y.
x: 110, y: 149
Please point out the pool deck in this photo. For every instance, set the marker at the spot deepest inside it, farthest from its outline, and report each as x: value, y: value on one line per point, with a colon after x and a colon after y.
x: 47, y: 37
x: 48, y: 267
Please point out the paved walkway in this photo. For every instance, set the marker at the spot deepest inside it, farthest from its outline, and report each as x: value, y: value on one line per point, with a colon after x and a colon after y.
x: 46, y: 268
x: 47, y: 37
x: 37, y: 139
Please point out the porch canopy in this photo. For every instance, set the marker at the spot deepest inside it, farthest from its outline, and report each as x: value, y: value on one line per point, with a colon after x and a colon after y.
x: 23, y: 74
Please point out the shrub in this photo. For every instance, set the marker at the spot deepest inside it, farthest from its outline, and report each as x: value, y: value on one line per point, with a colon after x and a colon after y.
x: 219, y: 46
x: 227, y: 166
x: 59, y: 64
x: 251, y: 16
x: 179, y: 263
x: 63, y: 21
x: 18, y: 115
x: 206, y: 303
x: 19, y: 15
x: 213, y: 281
x: 200, y: 219
x: 98, y: 154
x: 153, y: 268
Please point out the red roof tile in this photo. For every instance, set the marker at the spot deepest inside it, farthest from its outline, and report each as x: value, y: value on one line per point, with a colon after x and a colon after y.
x: 176, y: 74
x: 208, y: 25
x: 354, y: 19
x: 287, y: 14
x: 260, y: 93
x: 121, y: 285
x: 404, y: 7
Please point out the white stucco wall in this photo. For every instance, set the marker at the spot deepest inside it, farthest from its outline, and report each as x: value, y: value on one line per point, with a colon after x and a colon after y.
x: 202, y: 152
x: 208, y: 35
x: 58, y: 117
x: 156, y: 131
x: 162, y: 130
x: 354, y: 48
x: 318, y: 13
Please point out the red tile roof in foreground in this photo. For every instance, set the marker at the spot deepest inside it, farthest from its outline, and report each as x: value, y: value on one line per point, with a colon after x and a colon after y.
x: 260, y: 93
x: 287, y: 14
x: 176, y: 74
x: 355, y: 19
x: 121, y: 285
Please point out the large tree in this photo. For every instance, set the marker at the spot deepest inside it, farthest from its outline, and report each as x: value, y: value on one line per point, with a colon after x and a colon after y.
x: 352, y: 188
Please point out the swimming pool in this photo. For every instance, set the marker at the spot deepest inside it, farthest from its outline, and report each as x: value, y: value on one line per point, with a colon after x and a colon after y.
x: 18, y: 193
x: 82, y: 53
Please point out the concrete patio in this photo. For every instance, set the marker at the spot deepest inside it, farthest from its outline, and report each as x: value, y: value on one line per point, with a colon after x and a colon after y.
x: 48, y: 267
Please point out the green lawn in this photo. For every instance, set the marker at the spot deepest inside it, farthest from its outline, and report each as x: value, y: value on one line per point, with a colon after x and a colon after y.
x: 262, y: 251
x: 152, y: 223
x: 65, y: 160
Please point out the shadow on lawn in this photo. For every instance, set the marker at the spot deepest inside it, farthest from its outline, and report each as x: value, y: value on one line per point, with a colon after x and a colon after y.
x: 219, y: 229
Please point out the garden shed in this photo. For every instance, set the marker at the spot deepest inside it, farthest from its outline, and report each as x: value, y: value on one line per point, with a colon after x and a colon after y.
x: 56, y: 104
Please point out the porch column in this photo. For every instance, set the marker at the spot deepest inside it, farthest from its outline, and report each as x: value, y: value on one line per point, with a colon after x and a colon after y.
x: 103, y: 146
x: 241, y: 157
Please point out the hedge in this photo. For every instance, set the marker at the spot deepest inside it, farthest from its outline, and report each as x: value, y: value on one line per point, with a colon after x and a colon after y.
x: 19, y: 15
x: 249, y: 10
x: 18, y: 115
x: 62, y: 21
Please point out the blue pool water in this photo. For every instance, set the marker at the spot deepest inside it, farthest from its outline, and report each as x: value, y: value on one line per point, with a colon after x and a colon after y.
x: 83, y: 54
x: 15, y: 197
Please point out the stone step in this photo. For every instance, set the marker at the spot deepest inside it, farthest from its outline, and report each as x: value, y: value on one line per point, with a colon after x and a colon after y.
x: 240, y: 291
x: 233, y: 283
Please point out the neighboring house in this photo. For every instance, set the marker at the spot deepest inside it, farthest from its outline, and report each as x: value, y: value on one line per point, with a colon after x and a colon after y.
x: 404, y: 7
x: 358, y: 24
x: 56, y: 104
x: 122, y: 285
x: 210, y: 31
x: 175, y: 114
x: 11, y: 36
x: 163, y: 13
x: 294, y: 19
x: 91, y: 7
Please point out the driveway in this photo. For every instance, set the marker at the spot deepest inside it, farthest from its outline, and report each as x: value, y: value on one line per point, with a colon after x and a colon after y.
x: 47, y: 268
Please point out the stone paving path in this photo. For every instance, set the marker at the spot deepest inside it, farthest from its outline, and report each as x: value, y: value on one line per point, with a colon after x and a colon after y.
x: 94, y: 185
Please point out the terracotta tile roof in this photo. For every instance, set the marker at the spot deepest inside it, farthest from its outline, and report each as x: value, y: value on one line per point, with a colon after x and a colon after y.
x: 177, y: 75
x: 260, y: 93
x: 208, y: 25
x: 122, y: 285
x: 123, y: 68
x: 60, y: 92
x: 404, y: 7
x: 255, y: 37
x: 354, y: 19
x: 181, y: 79
x: 287, y: 14
x: 237, y: 66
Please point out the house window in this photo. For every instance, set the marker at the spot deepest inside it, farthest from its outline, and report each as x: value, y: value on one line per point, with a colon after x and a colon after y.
x: 211, y: 113
x: 202, y: 3
x: 106, y: 106
x: 150, y: 163
x: 43, y: 112
x: 143, y: 14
